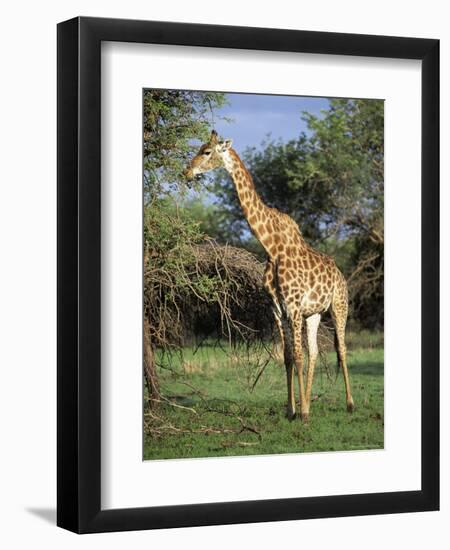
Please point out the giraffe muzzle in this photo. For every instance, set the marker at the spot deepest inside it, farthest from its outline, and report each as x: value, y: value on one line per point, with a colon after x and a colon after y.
x: 188, y: 173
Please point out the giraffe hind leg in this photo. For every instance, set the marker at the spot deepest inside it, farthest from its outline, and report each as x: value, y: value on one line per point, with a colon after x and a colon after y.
x: 339, y: 310
x: 269, y: 284
x: 297, y: 326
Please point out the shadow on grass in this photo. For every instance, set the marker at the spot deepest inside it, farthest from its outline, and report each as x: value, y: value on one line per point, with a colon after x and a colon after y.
x: 372, y: 368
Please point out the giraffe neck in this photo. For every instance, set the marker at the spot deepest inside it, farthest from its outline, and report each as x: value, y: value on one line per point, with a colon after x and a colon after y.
x: 255, y: 211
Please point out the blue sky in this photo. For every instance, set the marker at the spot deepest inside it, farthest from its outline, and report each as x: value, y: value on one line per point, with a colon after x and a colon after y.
x: 255, y: 116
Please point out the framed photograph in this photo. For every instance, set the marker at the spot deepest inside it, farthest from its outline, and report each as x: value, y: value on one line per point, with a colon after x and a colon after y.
x: 248, y: 291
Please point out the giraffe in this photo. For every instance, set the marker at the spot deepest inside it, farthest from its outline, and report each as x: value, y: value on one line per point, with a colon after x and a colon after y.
x: 302, y: 282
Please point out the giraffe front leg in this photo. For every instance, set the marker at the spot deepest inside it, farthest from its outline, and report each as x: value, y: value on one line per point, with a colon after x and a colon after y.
x: 277, y: 314
x: 298, y: 359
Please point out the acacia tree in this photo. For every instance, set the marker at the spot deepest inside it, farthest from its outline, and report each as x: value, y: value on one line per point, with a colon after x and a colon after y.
x: 331, y: 181
x: 173, y: 120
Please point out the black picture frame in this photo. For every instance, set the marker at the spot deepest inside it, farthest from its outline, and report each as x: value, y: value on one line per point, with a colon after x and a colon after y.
x: 79, y: 280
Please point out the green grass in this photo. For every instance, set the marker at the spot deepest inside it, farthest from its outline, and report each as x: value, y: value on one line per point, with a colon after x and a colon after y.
x: 210, y: 409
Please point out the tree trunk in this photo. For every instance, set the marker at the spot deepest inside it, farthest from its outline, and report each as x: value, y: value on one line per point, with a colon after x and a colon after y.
x: 150, y: 369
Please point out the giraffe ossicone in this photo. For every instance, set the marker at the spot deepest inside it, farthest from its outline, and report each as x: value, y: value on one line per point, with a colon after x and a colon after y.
x: 302, y: 282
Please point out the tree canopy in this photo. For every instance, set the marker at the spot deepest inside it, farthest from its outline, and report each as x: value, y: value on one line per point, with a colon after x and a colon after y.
x: 173, y: 120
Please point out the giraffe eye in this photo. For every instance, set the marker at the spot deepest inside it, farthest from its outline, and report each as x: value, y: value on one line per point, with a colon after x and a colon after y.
x: 207, y: 153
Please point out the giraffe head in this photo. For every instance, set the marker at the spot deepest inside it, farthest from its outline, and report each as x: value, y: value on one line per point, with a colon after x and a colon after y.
x: 209, y: 156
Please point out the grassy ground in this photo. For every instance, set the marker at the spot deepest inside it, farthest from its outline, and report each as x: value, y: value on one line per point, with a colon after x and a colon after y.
x: 213, y: 407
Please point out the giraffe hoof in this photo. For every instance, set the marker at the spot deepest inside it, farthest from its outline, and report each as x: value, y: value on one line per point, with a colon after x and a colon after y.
x: 290, y: 415
x: 350, y: 406
x: 305, y: 417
